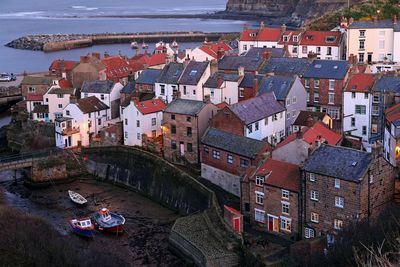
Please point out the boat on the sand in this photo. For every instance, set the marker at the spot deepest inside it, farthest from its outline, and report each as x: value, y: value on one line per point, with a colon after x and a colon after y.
x: 77, y: 198
x: 107, y: 221
x: 82, y: 227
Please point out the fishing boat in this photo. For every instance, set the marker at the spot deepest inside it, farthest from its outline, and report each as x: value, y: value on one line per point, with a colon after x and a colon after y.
x: 77, y: 198
x: 134, y: 45
x: 107, y: 221
x: 82, y: 227
x: 144, y: 45
x: 174, y: 45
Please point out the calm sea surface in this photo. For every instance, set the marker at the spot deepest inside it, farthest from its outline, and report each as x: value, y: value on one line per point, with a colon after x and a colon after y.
x: 21, y: 17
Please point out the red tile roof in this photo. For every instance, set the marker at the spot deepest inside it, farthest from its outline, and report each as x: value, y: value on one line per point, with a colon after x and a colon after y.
x: 150, y: 106
x: 280, y: 174
x: 290, y: 35
x: 212, y: 49
x: 320, y: 38
x: 63, y: 83
x: 136, y: 65
x: 68, y: 65
x: 261, y: 35
x: 360, y: 82
x: 156, y: 59
x: 32, y: 97
x: 116, y: 67
x: 392, y: 114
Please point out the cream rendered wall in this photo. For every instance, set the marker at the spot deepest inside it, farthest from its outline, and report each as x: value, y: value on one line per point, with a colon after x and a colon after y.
x: 269, y: 129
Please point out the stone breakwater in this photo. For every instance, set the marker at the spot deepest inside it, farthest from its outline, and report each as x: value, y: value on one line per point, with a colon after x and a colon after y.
x: 57, y: 42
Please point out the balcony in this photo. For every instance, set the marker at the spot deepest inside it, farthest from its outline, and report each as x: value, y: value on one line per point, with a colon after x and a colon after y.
x: 70, y: 130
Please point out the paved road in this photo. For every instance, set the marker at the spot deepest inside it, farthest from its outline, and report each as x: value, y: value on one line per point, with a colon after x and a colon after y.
x: 15, y: 83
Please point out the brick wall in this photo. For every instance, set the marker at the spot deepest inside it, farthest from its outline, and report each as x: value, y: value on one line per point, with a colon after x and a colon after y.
x: 248, y: 93
x: 227, y: 121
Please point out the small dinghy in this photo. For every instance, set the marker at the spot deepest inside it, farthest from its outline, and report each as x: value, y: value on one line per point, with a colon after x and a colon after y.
x: 107, y: 221
x: 82, y: 227
x: 134, y: 45
x: 77, y: 198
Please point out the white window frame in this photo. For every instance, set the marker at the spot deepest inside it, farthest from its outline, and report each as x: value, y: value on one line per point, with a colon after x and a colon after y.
x: 314, y: 195
x: 260, y: 180
x: 339, y: 202
x: 285, y: 206
x: 285, y: 194
x: 259, y: 197
x: 337, y: 183
x: 309, y: 233
x: 260, y: 213
x: 286, y: 224
x: 314, y: 217
x: 311, y: 177
x: 338, y: 224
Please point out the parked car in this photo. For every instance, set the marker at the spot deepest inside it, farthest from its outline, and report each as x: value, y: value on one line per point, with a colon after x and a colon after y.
x: 7, y: 77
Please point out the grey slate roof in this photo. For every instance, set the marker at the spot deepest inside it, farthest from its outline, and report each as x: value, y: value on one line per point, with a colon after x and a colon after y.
x: 339, y: 162
x: 327, y: 69
x: 236, y: 144
x: 148, y: 76
x: 129, y: 88
x: 280, y: 85
x: 185, y: 106
x: 371, y: 24
x: 248, y: 80
x: 286, y: 66
x: 387, y: 84
x: 193, y: 72
x: 257, y: 108
x: 100, y: 87
x: 258, y: 52
x: 171, y: 73
x: 234, y: 62
x: 213, y: 80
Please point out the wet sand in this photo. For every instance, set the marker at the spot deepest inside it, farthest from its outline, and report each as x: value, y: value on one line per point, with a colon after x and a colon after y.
x: 145, y: 242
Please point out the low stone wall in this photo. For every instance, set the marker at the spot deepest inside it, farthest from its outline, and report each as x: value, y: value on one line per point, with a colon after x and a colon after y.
x: 41, y: 174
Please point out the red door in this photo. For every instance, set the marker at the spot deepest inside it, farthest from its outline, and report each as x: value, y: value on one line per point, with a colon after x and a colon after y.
x: 236, y: 224
x: 270, y: 224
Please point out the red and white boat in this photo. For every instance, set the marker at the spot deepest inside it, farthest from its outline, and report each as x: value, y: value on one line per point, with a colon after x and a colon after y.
x: 107, y: 221
x: 82, y: 227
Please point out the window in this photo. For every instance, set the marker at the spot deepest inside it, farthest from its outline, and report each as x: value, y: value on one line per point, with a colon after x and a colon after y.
x: 285, y: 38
x: 137, y: 123
x: 381, y: 44
x: 188, y: 119
x: 308, y: 96
x: 364, y: 130
x: 172, y: 116
x: 259, y: 198
x: 241, y: 92
x: 229, y: 158
x: 173, y: 144
x: 266, y: 121
x: 316, y: 97
x: 353, y: 95
x: 312, y: 177
x: 314, y: 195
x: 259, y: 180
x: 184, y: 90
x: 189, y: 131
x: 331, y: 84
x: 304, y: 49
x: 59, y: 105
x: 376, y: 98
x: 126, y: 121
x: 338, y: 224
x: 294, y: 50
x: 361, y: 45
x: 331, y: 98
x: 98, y: 121
x: 285, y: 194
x: 316, y: 83
x: 138, y: 136
x: 102, y: 97
x: 360, y: 109
x: 314, y: 217
x: 294, y: 100
x: 361, y: 57
x: 194, y: 92
x: 337, y: 183
x: 285, y: 207
x: 286, y: 224
x: 288, y: 102
x: 250, y: 128
x: 206, y: 150
x: 309, y: 233
x: 375, y: 110
x: 274, y: 117
x: 281, y: 134
x: 173, y: 129
x: 189, y: 147
x: 126, y: 134
x: 162, y: 89
x: 288, y: 115
x: 216, y: 154
x: 245, y: 47
x: 318, y: 50
x: 353, y: 122
x: 256, y: 127
x: 67, y: 112
x: 259, y: 215
x: 362, y: 33
x: 60, y: 96
x: 31, y: 89
x: 306, y: 83
x: 329, y: 51
x: 365, y: 95
x: 244, y: 163
x: 295, y: 38
x: 154, y: 133
x: 339, y: 202
x: 153, y: 121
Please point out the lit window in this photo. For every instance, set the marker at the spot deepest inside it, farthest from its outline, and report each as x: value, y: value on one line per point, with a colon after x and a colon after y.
x: 285, y: 194
x: 259, y: 197
x: 339, y: 202
x: 338, y: 224
x: 314, y: 195
x: 314, y: 217
x: 229, y: 158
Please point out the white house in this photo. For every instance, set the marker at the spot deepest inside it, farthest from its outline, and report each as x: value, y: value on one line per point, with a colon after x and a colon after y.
x: 57, y: 98
x: 89, y: 115
x: 357, y: 105
x: 208, y: 51
x: 167, y: 83
x: 107, y: 92
x: 223, y: 87
x: 142, y: 118
x: 262, y: 37
x: 192, y: 79
x: 67, y: 133
x: 325, y: 44
x: 391, y: 143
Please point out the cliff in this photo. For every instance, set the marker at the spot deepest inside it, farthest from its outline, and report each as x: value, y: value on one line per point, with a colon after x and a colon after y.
x: 287, y: 8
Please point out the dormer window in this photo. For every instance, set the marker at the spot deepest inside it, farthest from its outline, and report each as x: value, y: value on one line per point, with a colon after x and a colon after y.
x: 295, y: 38
x: 253, y: 34
x: 285, y: 38
x: 330, y: 39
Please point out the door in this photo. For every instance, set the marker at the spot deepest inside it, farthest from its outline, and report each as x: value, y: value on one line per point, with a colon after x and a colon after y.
x: 236, y: 224
x: 276, y: 225
x: 65, y: 143
x: 270, y: 223
x: 182, y: 148
x: 69, y: 141
x: 369, y: 58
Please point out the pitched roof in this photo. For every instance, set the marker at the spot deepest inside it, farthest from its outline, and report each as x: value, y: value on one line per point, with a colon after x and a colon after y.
x: 236, y: 144
x: 63, y: 91
x: 321, y: 132
x: 222, y: 105
x: 148, y: 76
x: 374, y: 24
x: 280, y: 174
x: 41, y: 109
x: 99, y: 87
x: 392, y: 114
x: 303, y: 116
x: 278, y: 84
x: 286, y: 66
x: 193, y: 73
x: 338, y: 162
x: 216, y: 80
x: 360, y: 82
x: 248, y: 80
x: 68, y: 65
x: 129, y: 88
x: 33, y: 97
x: 37, y: 80
x: 234, y: 62
x: 388, y: 84
x: 90, y: 104
x: 116, y: 67
x: 257, y: 108
x: 171, y: 73
x: 327, y: 69
x: 155, y: 59
x: 185, y: 106
x: 150, y: 106
x: 290, y: 35
x: 321, y: 38
x: 266, y: 34
x: 212, y: 49
x: 63, y: 83
x: 259, y: 52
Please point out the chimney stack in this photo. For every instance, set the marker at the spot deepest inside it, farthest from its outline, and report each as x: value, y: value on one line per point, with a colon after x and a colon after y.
x: 266, y: 54
x: 255, y: 85
x: 395, y: 19
x: 220, y: 53
x: 219, y: 79
x: 96, y: 55
x: 241, y: 71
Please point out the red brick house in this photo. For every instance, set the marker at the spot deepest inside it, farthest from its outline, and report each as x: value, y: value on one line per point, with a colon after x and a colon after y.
x: 249, y: 86
x: 226, y: 157
x: 271, y: 197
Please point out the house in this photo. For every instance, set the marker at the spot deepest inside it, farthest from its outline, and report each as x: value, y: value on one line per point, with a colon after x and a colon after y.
x: 82, y: 120
x: 36, y: 85
x: 192, y: 79
x: 147, y: 80
x: 309, y: 118
x: 167, y: 82
x: 40, y: 113
x: 324, y: 81
x: 62, y: 68
x: 231, y: 64
x: 343, y: 186
x: 391, y: 140
x: 260, y: 118
x: 290, y: 92
x: 357, y: 103
x: 32, y: 101
x: 248, y: 87
x: 127, y: 93
x: 107, y: 91
x: 374, y: 40
x: 226, y: 157
x: 118, y: 69
x: 298, y: 145
x: 89, y: 68
x: 221, y: 87
x: 271, y: 197
x: 327, y: 45
x: 262, y: 37
x: 58, y: 97
x: 142, y: 118
x: 184, y: 123
x: 208, y: 51
x: 291, y: 40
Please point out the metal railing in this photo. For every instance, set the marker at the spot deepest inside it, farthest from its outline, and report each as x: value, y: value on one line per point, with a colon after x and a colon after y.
x: 29, y: 155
